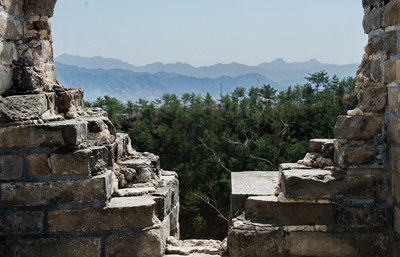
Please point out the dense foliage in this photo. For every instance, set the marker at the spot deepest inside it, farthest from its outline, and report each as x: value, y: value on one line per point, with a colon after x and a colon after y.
x: 204, y: 139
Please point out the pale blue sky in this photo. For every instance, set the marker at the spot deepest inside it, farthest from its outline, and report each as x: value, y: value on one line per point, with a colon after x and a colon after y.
x: 205, y: 32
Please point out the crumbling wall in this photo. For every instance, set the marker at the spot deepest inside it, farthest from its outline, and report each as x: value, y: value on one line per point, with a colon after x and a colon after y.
x: 381, y: 66
x: 70, y: 185
x: 343, y: 198
x: 26, y: 53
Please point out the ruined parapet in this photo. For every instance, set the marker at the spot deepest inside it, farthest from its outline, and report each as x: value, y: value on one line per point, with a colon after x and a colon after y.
x: 70, y: 185
x: 342, y: 199
x: 26, y: 47
x: 60, y: 194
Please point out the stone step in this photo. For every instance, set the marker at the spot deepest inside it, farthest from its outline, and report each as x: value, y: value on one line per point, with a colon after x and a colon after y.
x: 69, y: 133
x: 96, y: 189
x: 344, y: 214
x: 122, y: 213
x: 252, y: 239
x: 251, y: 183
x: 195, y: 247
x: 327, y: 184
x: 268, y: 209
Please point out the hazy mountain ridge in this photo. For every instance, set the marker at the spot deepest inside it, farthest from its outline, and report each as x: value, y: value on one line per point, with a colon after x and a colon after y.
x: 154, y: 79
x: 129, y: 85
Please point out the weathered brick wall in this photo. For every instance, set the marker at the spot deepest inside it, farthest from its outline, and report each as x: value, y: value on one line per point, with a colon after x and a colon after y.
x: 26, y: 54
x: 381, y: 66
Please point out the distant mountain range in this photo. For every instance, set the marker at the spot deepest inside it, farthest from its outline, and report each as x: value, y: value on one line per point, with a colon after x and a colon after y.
x: 99, y: 76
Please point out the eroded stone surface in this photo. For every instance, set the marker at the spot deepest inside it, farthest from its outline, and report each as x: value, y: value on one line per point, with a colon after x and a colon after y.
x: 268, y: 209
x: 70, y: 191
x: 251, y: 183
x: 326, y: 184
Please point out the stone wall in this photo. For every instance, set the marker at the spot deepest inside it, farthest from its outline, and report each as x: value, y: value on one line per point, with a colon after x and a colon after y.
x: 381, y: 66
x: 343, y: 198
x: 26, y: 54
x: 70, y: 185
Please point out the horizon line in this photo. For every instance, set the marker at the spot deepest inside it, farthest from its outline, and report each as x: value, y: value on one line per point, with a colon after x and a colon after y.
x: 186, y: 63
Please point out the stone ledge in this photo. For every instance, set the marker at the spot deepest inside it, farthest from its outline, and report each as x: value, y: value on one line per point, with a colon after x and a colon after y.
x: 50, y: 247
x: 98, y: 188
x: 122, y: 213
x: 54, y: 134
x: 255, y: 241
x: 326, y: 184
x: 269, y: 210
x: 251, y: 183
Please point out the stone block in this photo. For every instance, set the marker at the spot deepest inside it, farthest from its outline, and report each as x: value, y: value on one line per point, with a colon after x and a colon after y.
x: 50, y: 247
x: 27, y: 80
x: 360, y: 154
x: 358, y: 127
x: 391, y: 14
x: 251, y: 183
x: 395, y: 158
x: 316, y: 160
x: 73, y: 163
x: 8, y: 53
x: 267, y: 209
x: 386, y: 42
x: 90, y: 160
x: 352, y: 213
x: 144, y: 244
x: 21, y: 222
x: 59, y: 134
x: 38, y: 164
x: 326, y: 184
x: 396, y: 219
x: 394, y: 131
x: 376, y: 69
x: 372, y: 99
x: 251, y: 243
x: 69, y: 100
x: 96, y: 189
x: 123, y: 145
x: 6, y: 75
x: 393, y: 99
x: 98, y: 158
x: 322, y: 146
x: 11, y: 167
x: 373, y: 20
x: 391, y: 71
x: 337, y: 245
x: 22, y: 107
x: 396, y: 186
x: 122, y: 213
x: 11, y: 29
x: 100, y: 130
x: 12, y: 7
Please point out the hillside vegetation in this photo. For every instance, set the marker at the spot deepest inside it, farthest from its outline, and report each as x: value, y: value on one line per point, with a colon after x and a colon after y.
x: 205, y: 139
